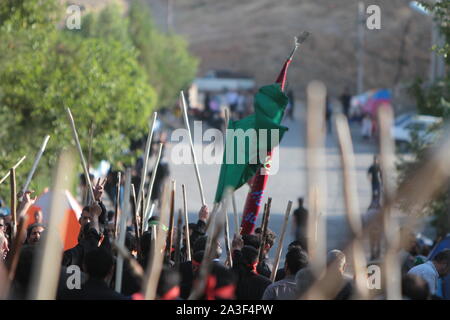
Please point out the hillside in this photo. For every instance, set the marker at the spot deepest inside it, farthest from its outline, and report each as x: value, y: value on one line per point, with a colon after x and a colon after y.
x: 254, y: 36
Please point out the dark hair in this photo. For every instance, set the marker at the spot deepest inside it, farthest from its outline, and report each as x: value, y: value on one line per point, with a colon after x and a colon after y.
x: 443, y: 256
x: 32, y: 226
x: 98, y: 263
x: 169, y: 279
x: 296, y: 259
x: 415, y: 288
x: 295, y: 243
x: 251, y: 240
x: 130, y: 242
x: 200, y: 244
x: 249, y: 255
x: 270, y: 236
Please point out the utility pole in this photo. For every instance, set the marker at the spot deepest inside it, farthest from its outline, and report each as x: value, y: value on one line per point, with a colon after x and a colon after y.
x: 360, y: 52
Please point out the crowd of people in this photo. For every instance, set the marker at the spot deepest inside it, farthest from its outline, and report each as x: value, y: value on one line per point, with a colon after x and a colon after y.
x: 247, y: 276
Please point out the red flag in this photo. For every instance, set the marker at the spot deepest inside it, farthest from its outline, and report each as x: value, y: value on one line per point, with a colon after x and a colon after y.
x: 259, y: 181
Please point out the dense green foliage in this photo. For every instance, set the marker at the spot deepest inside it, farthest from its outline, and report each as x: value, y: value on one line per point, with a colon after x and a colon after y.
x: 97, y: 71
x: 434, y: 99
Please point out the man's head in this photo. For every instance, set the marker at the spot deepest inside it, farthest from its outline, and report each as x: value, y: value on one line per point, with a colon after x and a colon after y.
x: 38, y: 216
x: 442, y: 262
x: 200, y: 244
x: 295, y: 243
x: 296, y: 259
x: 270, y: 239
x: 98, y: 263
x: 300, y: 202
x: 85, y: 217
x: 415, y: 288
x: 251, y: 240
x: 375, y: 159
x: 336, y: 261
x: 34, y: 233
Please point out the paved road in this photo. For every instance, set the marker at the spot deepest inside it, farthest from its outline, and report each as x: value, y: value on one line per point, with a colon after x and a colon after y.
x: 290, y: 181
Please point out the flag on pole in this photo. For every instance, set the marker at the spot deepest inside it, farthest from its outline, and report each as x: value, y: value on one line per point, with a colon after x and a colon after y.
x: 270, y: 103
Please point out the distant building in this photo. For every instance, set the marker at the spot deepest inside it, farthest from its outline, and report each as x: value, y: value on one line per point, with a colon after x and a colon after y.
x: 217, y: 82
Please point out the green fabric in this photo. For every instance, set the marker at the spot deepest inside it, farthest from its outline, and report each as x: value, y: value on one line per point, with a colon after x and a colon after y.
x: 270, y: 103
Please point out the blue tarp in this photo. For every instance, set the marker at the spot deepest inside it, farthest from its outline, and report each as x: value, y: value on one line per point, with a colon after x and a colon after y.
x: 444, y: 284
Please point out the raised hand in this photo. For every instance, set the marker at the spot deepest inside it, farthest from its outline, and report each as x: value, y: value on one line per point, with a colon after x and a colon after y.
x: 98, y: 189
x: 203, y: 213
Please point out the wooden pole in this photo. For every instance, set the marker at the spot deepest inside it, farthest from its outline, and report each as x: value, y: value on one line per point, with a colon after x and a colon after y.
x: 35, y: 164
x: 186, y: 226
x: 171, y: 219
x: 218, y: 223
x: 135, y: 217
x: 227, y: 238
x: 117, y: 207
x: 235, y: 214
x: 126, y: 208
x: 47, y: 268
x: 316, y: 175
x: 264, y: 230
x: 144, y: 171
x: 13, y: 167
x: 392, y: 263
x: 80, y: 153
x: 178, y: 240
x: 280, y: 242
x: 156, y: 259
x: 152, y: 180
x: 194, y: 159
x: 13, y: 203
x: 352, y: 206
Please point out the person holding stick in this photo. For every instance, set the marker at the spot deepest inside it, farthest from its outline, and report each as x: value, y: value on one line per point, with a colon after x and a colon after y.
x: 265, y: 265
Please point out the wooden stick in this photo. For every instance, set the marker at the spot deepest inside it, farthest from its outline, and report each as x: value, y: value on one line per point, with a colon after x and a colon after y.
x: 171, y: 219
x: 236, y: 216
x: 126, y: 208
x: 156, y: 259
x: 197, y: 172
x: 135, y: 216
x: 280, y: 242
x: 392, y: 264
x: 186, y: 226
x: 13, y: 167
x: 227, y: 238
x: 13, y: 202
x: 264, y: 231
x: 316, y: 175
x: 117, y: 207
x: 211, y: 216
x: 199, y: 286
x: 352, y: 207
x: 178, y: 241
x: 47, y: 268
x: 35, y: 164
x: 144, y: 171
x: 152, y: 179
x: 80, y: 153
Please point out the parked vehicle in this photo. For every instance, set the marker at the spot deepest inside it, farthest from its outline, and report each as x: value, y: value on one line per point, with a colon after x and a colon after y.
x: 405, y: 126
